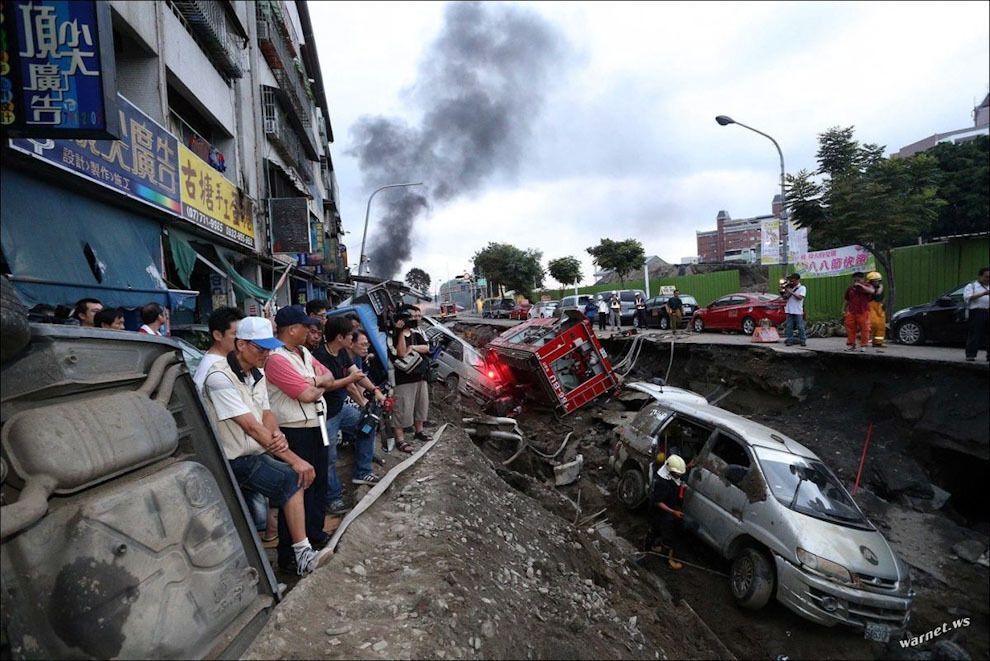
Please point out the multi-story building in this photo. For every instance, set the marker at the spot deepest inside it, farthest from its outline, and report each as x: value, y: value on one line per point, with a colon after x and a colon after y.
x: 981, y: 126
x: 221, y: 177
x: 734, y: 239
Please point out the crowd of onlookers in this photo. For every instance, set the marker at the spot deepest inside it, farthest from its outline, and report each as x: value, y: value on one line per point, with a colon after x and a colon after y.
x: 285, y: 392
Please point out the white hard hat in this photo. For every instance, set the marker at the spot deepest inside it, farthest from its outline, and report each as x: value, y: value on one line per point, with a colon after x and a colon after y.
x: 676, y: 465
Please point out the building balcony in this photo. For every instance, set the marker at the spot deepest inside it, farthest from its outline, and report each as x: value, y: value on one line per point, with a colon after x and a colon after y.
x: 285, y: 137
x: 280, y: 53
x: 209, y: 26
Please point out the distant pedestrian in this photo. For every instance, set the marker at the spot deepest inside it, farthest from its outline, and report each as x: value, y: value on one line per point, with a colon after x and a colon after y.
x: 794, y: 293
x: 857, y: 312
x: 675, y: 311
x: 976, y: 295
x: 640, y: 303
x: 878, y: 316
x: 602, y: 312
x: 110, y: 318
x: 153, y: 319
x: 317, y: 308
x: 591, y: 311
x: 615, y: 311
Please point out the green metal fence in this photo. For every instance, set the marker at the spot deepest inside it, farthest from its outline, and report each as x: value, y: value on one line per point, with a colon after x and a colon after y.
x: 922, y: 274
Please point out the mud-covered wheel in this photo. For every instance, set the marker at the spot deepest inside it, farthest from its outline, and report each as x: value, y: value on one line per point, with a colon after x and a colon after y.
x: 748, y: 326
x: 698, y: 324
x: 15, y: 332
x: 910, y: 332
x: 751, y: 579
x: 451, y: 384
x: 632, y: 488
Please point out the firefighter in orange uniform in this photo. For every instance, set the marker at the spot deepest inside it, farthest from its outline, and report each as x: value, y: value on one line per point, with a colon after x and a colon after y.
x: 878, y: 316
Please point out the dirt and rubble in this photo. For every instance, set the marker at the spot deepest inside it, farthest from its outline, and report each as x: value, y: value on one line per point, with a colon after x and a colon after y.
x: 454, y: 563
x: 468, y: 557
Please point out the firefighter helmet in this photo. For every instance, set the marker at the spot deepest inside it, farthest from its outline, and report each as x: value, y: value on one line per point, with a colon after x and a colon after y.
x: 873, y: 275
x: 676, y: 465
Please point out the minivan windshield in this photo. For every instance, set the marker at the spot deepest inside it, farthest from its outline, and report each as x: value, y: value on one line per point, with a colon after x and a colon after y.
x: 807, y: 486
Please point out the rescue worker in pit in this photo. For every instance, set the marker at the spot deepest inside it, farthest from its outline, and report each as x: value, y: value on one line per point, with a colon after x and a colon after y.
x: 878, y: 315
x: 665, y: 513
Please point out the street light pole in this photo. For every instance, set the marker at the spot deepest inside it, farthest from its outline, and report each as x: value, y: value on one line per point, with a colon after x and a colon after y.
x: 724, y: 120
x: 364, y: 235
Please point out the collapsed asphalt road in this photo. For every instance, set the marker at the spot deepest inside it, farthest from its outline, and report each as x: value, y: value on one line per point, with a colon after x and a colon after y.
x: 454, y: 563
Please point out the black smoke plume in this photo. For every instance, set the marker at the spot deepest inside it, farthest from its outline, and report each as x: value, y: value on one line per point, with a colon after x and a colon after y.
x: 480, y: 86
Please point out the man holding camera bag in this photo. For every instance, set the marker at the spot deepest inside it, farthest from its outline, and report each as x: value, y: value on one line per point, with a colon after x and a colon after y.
x: 412, y: 367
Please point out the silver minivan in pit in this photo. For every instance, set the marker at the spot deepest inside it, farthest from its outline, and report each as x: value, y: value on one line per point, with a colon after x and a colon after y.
x: 770, y: 506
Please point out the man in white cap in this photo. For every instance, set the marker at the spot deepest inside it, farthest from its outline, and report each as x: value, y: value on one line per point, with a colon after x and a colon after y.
x: 236, y: 398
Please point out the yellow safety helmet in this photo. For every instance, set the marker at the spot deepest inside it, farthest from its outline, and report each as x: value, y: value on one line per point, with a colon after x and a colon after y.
x: 676, y: 465
x: 873, y: 275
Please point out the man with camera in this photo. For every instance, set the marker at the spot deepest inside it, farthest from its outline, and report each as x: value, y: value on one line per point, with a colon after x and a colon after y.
x: 411, y: 359
x: 792, y: 291
x: 333, y: 354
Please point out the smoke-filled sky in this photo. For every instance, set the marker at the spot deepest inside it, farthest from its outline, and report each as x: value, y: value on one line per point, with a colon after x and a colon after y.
x: 553, y: 125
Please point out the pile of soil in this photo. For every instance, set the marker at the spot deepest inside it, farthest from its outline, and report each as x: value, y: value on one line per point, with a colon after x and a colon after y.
x: 452, y: 562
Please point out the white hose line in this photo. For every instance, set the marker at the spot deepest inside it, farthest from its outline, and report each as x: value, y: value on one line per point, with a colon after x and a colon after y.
x: 376, y: 491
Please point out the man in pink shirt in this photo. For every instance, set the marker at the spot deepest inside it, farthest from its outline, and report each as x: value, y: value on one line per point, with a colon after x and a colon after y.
x: 296, y: 383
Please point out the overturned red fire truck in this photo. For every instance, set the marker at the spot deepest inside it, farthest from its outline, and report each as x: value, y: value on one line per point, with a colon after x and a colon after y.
x: 556, y: 362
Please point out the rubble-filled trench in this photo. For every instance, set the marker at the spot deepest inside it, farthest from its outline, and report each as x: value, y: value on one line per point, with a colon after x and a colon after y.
x: 922, y: 481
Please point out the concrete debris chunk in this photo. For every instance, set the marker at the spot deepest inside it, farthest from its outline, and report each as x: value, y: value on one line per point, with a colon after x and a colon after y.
x: 970, y: 550
x: 568, y: 473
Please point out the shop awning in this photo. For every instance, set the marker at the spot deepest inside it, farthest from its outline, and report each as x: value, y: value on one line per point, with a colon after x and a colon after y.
x: 184, y: 255
x: 242, y: 285
x: 62, y: 246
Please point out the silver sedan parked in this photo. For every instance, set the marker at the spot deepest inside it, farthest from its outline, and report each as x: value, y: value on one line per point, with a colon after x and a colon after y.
x: 770, y: 506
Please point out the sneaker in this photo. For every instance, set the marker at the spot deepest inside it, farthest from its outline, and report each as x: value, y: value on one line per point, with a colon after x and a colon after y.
x: 862, y: 349
x: 370, y: 478
x: 804, y: 344
x: 420, y: 436
x: 338, y: 507
x: 850, y: 348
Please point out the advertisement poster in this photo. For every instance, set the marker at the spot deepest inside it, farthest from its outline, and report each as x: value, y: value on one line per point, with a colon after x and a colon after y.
x: 835, y: 261
x: 770, y: 241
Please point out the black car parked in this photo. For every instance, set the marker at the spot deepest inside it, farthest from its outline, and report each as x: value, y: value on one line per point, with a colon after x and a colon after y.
x: 940, y: 321
x: 656, y: 313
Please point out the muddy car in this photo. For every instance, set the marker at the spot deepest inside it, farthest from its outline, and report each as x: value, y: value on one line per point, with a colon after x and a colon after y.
x: 124, y: 534
x: 771, y: 507
x: 461, y: 367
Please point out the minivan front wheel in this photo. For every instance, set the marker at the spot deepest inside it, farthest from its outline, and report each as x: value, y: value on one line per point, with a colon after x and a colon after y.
x: 751, y: 579
x: 632, y: 488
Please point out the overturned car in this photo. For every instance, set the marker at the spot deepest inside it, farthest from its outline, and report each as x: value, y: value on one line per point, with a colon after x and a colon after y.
x: 557, y: 362
x: 771, y: 507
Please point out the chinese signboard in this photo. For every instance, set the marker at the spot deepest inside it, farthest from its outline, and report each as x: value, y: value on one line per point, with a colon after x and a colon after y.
x: 57, y: 70
x: 143, y: 164
x: 837, y: 261
x: 290, y: 224
x: 212, y: 202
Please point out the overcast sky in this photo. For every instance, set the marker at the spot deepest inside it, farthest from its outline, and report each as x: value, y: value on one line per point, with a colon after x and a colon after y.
x: 621, y: 140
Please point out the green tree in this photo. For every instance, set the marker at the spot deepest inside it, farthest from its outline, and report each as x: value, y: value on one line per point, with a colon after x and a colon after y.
x: 618, y: 256
x: 866, y: 199
x: 419, y: 279
x: 964, y: 184
x: 507, y: 266
x: 565, y: 270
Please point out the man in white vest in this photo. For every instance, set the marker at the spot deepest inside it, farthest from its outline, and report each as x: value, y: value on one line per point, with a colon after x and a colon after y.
x: 296, y: 383
x: 236, y: 398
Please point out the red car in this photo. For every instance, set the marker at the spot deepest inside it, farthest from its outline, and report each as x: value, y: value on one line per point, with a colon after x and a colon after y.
x: 739, y: 312
x: 520, y: 312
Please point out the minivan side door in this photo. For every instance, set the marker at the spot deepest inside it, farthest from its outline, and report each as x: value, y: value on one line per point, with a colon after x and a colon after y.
x: 718, y: 505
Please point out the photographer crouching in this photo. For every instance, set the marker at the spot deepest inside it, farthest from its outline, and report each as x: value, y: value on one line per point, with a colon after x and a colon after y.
x: 793, y: 292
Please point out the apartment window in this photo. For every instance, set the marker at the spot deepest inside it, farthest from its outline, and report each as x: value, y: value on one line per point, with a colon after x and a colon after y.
x: 220, y: 37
